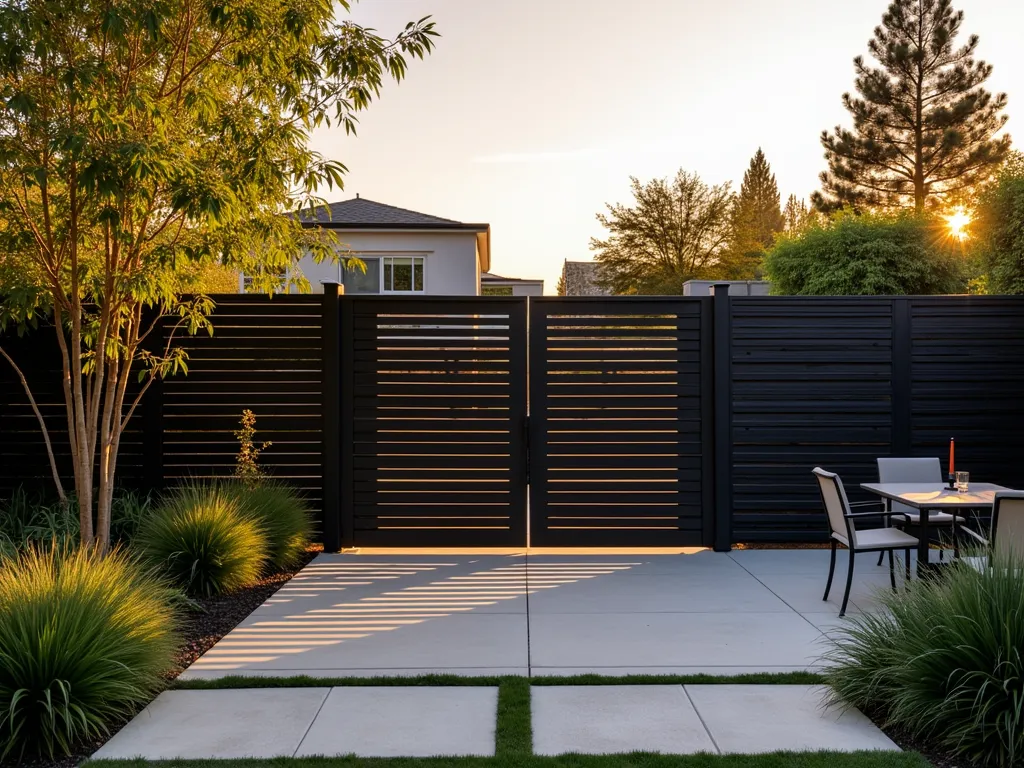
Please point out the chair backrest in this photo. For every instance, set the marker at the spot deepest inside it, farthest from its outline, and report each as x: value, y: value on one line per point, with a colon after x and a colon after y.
x: 1008, y: 522
x: 833, y: 496
x: 909, y: 470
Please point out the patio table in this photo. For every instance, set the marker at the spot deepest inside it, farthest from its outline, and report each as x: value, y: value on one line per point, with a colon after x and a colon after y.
x: 926, y: 497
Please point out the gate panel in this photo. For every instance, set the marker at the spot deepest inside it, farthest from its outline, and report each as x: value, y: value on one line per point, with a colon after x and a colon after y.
x: 438, y: 388
x: 617, y: 437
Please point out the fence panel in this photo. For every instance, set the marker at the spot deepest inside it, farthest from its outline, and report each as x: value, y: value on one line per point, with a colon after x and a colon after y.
x: 812, y: 384
x: 618, y: 411
x: 967, y: 382
x: 438, y: 403
x: 264, y: 355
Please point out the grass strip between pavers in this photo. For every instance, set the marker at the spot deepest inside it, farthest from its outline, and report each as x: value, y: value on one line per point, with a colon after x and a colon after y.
x: 514, y: 732
x: 306, y: 681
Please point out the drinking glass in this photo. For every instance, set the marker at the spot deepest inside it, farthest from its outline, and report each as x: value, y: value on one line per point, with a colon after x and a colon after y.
x: 961, y: 481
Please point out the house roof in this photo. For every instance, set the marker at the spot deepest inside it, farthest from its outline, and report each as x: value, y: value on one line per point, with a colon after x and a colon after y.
x: 490, y: 277
x: 362, y: 214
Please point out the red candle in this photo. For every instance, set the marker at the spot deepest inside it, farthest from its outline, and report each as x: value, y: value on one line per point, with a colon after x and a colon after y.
x: 951, y: 472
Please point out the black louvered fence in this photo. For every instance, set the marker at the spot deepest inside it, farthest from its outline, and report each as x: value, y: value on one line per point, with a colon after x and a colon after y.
x: 591, y: 421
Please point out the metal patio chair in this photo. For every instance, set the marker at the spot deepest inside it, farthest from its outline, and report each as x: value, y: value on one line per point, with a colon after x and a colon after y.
x: 913, y: 470
x: 1007, y: 529
x: 842, y: 522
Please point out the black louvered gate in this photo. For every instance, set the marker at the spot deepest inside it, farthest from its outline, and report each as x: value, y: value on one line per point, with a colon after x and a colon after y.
x: 433, y: 418
x: 620, y: 400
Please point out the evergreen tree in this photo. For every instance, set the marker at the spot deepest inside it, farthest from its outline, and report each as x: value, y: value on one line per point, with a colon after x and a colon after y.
x: 755, y: 220
x: 924, y: 127
x: 796, y: 215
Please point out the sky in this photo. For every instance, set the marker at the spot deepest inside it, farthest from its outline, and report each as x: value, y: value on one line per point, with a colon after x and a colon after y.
x: 531, y: 115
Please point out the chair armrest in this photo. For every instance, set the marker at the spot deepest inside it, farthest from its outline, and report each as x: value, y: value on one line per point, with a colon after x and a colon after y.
x: 883, y: 513
x: 974, y: 535
x: 878, y: 503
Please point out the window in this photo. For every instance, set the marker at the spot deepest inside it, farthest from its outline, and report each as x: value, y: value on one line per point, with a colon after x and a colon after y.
x: 357, y: 281
x: 496, y: 290
x: 403, y: 274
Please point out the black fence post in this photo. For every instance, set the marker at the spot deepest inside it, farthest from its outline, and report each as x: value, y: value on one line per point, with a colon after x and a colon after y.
x: 330, y: 526
x: 723, y: 416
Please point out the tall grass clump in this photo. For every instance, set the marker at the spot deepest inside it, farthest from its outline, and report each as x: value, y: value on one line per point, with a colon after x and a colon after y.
x: 84, y: 641
x: 26, y: 518
x: 282, y: 513
x: 200, y: 537
x: 943, y: 661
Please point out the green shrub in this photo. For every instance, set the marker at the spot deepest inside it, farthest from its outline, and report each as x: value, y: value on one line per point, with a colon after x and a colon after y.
x: 127, y: 512
x: 870, y: 254
x: 282, y: 513
x: 26, y: 518
x: 943, y: 661
x: 84, y: 640
x: 199, y: 536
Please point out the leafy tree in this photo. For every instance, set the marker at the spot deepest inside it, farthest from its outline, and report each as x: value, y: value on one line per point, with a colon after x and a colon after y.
x: 869, y: 254
x: 923, y: 126
x: 142, y: 141
x: 560, y: 285
x: 756, y: 217
x: 677, y: 230
x: 999, y: 228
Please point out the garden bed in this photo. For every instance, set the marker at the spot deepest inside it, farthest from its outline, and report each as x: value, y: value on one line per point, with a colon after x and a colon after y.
x: 200, y: 630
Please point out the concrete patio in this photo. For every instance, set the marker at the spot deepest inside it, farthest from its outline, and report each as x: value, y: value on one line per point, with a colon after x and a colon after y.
x: 720, y: 613
x: 377, y: 721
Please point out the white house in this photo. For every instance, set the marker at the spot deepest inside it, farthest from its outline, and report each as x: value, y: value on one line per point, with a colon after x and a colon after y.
x: 496, y: 285
x: 404, y: 251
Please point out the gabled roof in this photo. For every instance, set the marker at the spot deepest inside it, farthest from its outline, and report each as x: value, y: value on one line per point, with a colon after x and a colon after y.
x: 362, y: 213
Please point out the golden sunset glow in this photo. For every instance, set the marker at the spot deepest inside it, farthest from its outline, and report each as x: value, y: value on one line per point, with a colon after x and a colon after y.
x: 958, y: 222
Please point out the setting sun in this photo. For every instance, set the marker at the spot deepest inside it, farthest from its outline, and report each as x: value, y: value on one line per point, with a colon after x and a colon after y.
x: 958, y: 222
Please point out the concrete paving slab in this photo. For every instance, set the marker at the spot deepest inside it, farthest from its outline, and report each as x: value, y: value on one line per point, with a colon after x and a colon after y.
x: 620, y: 640
x: 644, y: 564
x: 766, y: 718
x: 218, y: 724
x: 691, y: 670
x: 395, y: 721
x: 607, y: 719
x: 803, y: 592
x: 383, y: 643
x: 760, y: 562
x: 737, y: 593
x: 333, y: 581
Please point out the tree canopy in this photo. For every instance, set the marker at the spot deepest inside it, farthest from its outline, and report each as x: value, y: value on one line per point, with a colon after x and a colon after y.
x: 924, y: 127
x: 998, y: 228
x: 677, y: 230
x: 869, y: 254
x: 143, y: 142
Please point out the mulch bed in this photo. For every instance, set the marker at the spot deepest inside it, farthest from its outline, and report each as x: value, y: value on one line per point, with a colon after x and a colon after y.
x: 199, y: 630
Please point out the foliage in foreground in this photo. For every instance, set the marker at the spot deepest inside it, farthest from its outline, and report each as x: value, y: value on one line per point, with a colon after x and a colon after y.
x: 871, y: 254
x: 999, y: 222
x: 84, y: 640
x: 199, y: 536
x: 145, y: 143
x: 944, y: 661
x: 283, y: 515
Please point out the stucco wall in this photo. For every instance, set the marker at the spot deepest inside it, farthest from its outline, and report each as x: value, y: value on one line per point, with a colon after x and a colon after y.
x: 451, y: 265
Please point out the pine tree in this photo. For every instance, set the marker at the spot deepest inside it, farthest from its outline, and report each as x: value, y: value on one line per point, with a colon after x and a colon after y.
x: 924, y: 127
x: 796, y: 215
x: 756, y: 218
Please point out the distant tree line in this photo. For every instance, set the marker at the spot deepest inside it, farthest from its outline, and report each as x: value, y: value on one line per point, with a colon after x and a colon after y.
x: 924, y: 194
